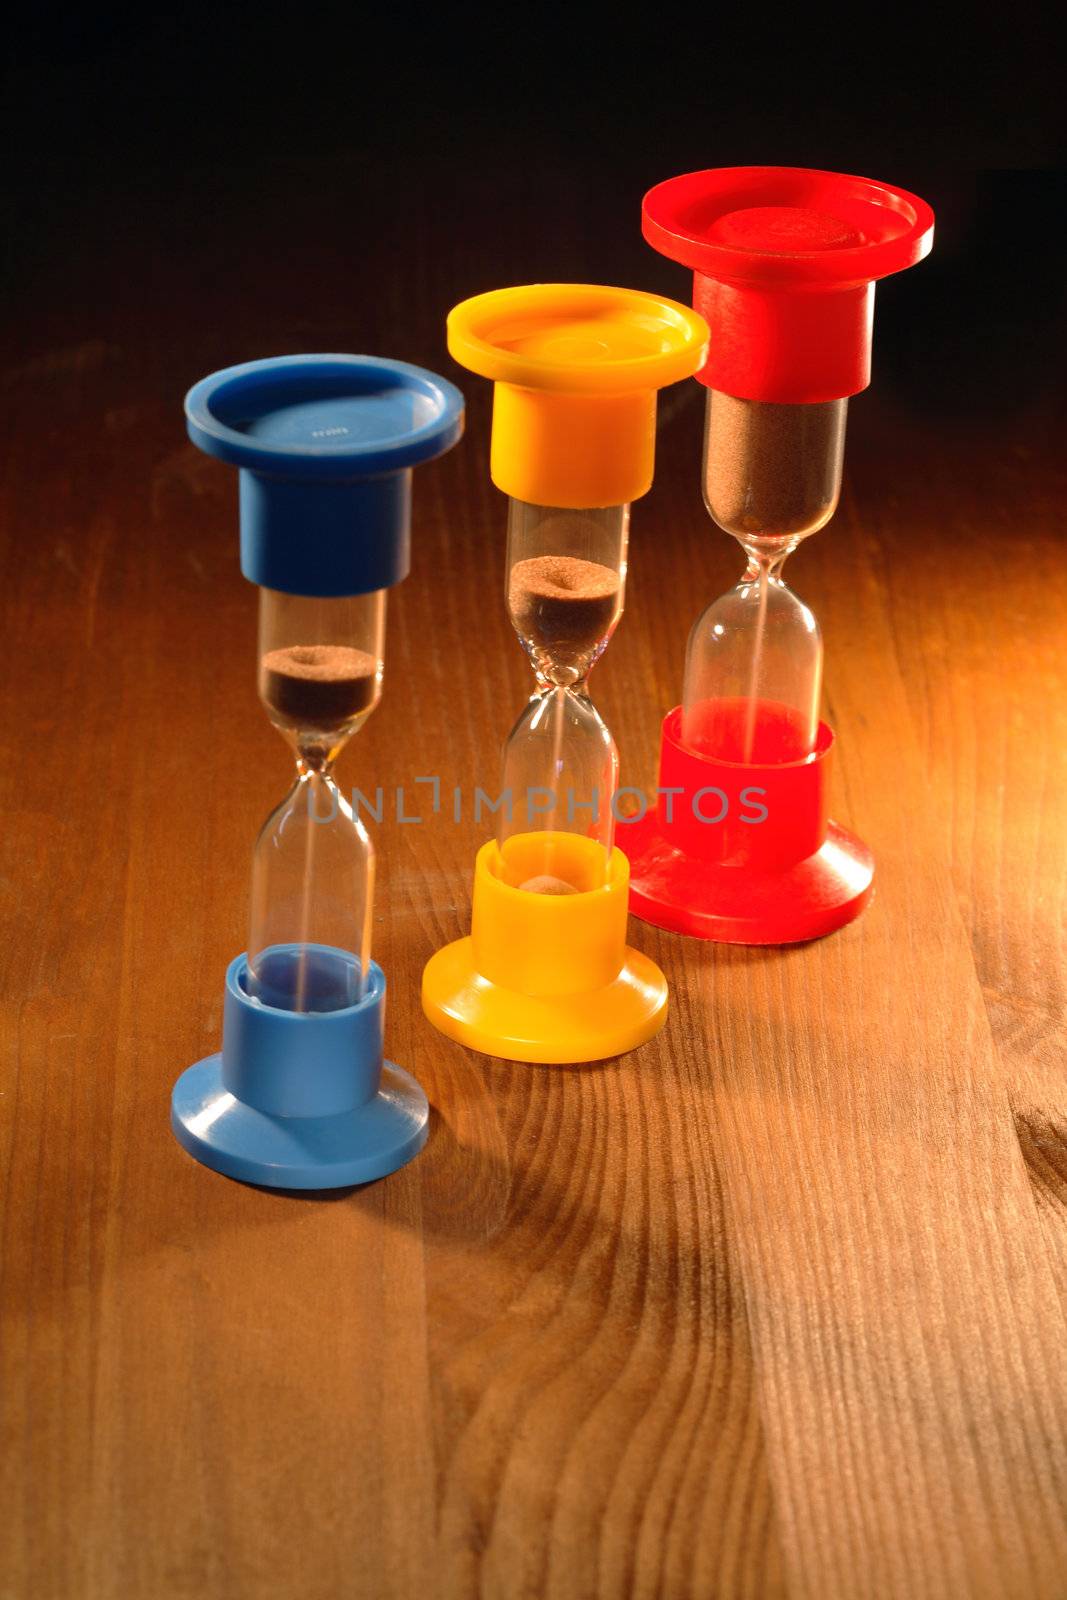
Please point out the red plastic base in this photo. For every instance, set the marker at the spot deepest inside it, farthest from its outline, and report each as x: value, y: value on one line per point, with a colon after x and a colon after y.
x: 791, y: 876
x: 686, y: 895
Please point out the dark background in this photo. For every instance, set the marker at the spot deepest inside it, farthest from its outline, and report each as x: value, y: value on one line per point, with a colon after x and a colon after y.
x: 223, y: 186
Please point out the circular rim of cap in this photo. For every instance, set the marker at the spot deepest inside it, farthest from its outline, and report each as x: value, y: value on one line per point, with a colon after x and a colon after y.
x: 669, y: 226
x: 294, y: 376
x: 470, y: 340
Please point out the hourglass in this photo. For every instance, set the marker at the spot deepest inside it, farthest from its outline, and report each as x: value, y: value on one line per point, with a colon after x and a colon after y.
x: 546, y: 975
x: 740, y: 847
x: 300, y: 1096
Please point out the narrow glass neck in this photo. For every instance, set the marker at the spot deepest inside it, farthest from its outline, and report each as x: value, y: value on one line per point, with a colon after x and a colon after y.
x: 312, y: 769
x: 315, y: 763
x: 547, y: 685
x: 763, y: 564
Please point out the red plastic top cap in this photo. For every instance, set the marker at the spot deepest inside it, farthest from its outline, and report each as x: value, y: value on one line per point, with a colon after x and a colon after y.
x: 785, y: 262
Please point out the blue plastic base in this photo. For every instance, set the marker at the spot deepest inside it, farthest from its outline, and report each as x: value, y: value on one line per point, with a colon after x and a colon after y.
x: 301, y: 1099
x: 298, y: 1152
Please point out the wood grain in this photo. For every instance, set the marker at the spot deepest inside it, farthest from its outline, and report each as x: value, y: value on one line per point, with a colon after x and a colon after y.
x: 772, y: 1307
x: 993, y: 608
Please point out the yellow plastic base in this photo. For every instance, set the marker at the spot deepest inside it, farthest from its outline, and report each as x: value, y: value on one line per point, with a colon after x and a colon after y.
x: 550, y: 1029
x: 546, y: 978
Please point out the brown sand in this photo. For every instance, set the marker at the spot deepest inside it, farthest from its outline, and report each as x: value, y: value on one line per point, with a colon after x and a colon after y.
x: 319, y: 686
x: 771, y: 469
x: 545, y: 883
x: 561, y: 604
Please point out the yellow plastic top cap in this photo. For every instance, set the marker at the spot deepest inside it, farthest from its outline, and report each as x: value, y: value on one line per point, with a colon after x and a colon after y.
x: 576, y: 368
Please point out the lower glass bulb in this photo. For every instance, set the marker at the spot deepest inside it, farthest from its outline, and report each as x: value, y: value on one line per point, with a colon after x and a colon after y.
x: 312, y: 893
x: 555, y: 823
x: 753, y: 675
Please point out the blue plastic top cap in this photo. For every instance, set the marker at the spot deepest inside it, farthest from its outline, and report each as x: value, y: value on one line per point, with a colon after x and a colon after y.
x: 325, y: 444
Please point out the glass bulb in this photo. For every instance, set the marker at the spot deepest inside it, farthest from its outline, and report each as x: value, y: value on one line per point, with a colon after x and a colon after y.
x: 566, y: 583
x: 741, y: 704
x: 320, y: 667
x: 772, y: 473
x: 561, y: 769
x: 312, y: 894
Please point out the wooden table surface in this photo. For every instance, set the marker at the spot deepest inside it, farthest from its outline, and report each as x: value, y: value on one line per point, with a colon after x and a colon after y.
x: 773, y: 1306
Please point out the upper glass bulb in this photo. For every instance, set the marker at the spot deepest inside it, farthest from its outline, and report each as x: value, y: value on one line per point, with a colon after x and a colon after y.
x: 565, y: 587
x: 320, y: 667
x: 772, y: 473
